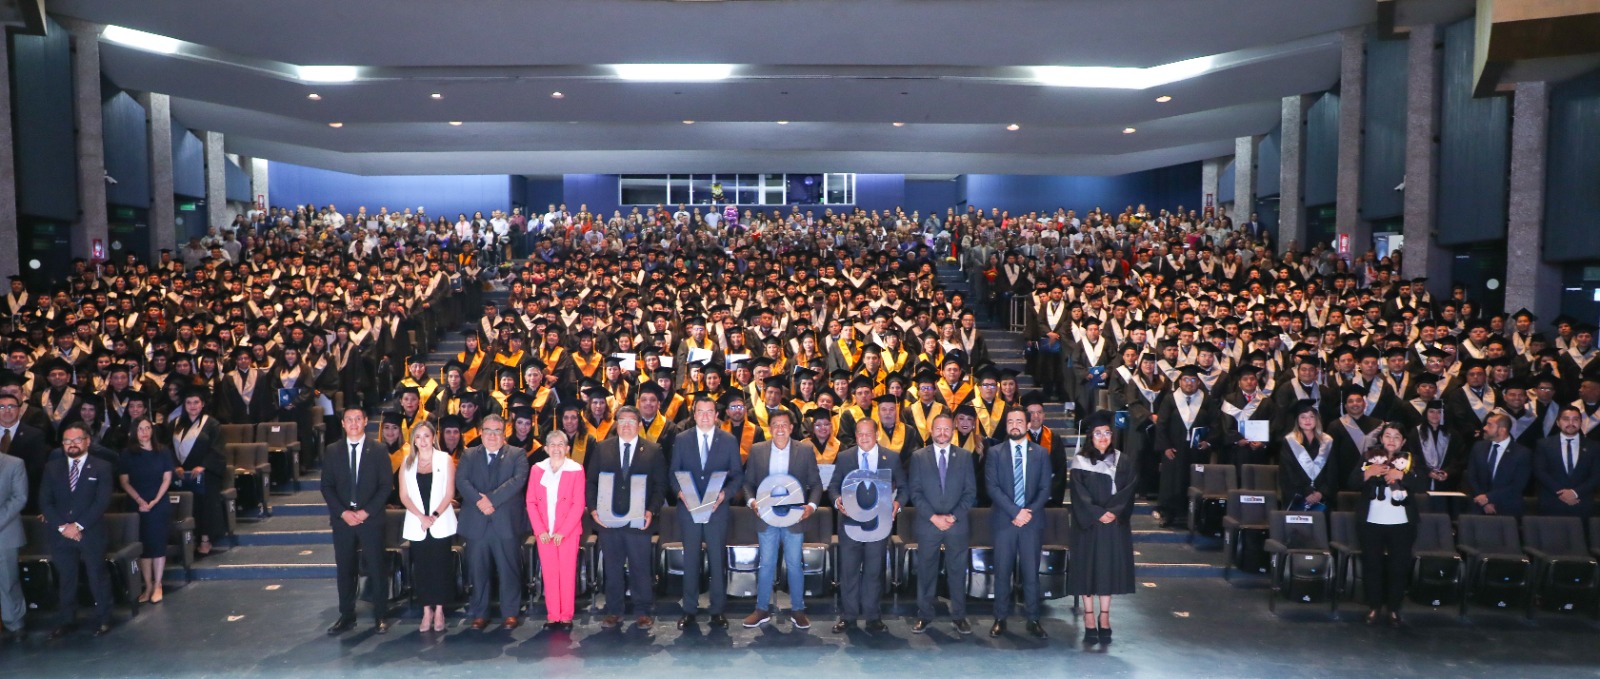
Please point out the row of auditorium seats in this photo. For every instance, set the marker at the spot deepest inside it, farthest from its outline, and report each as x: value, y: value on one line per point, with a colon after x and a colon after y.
x: 41, y: 584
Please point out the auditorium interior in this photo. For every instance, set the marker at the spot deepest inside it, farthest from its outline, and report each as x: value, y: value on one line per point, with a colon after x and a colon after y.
x: 1263, y: 327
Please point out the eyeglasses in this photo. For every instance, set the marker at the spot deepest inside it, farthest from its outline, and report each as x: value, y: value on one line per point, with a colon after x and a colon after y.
x: 8, y: 407
x: 79, y: 439
x: 494, y: 431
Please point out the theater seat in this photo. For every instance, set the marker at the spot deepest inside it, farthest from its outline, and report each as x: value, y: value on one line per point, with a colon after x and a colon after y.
x: 1565, y: 577
x: 1498, y: 572
x: 252, y: 467
x: 1302, y: 561
x: 238, y: 433
x: 744, y: 558
x: 40, y: 587
x: 816, y: 555
x: 1438, y: 575
x: 670, y: 554
x: 1346, y: 544
x: 283, y: 451
x: 1258, y: 477
x: 1055, y: 555
x: 182, y: 537
x: 122, y: 559
x: 903, y: 547
x: 980, y: 570
x: 1244, y: 530
x: 1208, y: 498
x: 532, y: 583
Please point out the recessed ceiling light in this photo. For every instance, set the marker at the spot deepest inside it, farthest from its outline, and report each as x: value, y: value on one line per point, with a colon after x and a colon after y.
x: 1128, y: 130
x: 314, y: 96
x: 149, y: 42
x: 899, y: 124
x: 783, y: 122
x: 327, y: 74
x: 436, y: 95
x: 1013, y: 127
x: 557, y: 95
x: 335, y: 125
x: 456, y: 123
x: 674, y: 72
x: 1163, y: 99
x: 688, y: 122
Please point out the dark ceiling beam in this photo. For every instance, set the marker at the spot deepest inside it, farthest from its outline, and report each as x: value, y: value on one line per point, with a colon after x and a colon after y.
x: 1522, y: 41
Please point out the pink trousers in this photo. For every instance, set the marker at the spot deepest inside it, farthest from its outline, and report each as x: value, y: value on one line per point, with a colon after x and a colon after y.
x: 558, y: 566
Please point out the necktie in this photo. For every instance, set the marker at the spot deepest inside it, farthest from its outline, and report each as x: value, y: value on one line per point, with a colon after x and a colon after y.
x: 72, y: 477
x: 705, y: 451
x: 1572, y: 458
x: 944, y: 465
x: 865, y: 463
x: 627, y: 456
x: 355, y: 467
x: 1017, y: 480
x: 1494, y: 460
x: 5, y: 442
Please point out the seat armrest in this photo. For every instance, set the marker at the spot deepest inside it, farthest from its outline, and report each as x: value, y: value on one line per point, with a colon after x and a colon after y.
x: 1344, y: 548
x: 1470, y: 551
x: 1229, y: 523
x: 1276, y: 547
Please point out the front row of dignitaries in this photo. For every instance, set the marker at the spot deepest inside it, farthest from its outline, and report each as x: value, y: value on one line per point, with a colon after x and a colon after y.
x: 501, y: 503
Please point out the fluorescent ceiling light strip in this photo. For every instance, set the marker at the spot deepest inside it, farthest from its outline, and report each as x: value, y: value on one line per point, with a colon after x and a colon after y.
x: 148, y: 42
x: 674, y: 72
x: 327, y: 74
x: 1124, y: 78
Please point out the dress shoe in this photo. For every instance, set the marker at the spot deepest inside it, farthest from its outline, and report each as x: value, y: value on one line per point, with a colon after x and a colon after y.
x: 717, y: 620
x: 157, y: 596
x: 963, y: 626
x: 1105, y: 635
x: 1372, y: 617
x: 1091, y: 635
x: 62, y: 631
x: 757, y: 618
x: 876, y: 626
x: 920, y: 626
x: 511, y: 624
x: 480, y: 624
x: 645, y: 621
x: 998, y: 629
x: 380, y: 627
x: 843, y: 626
x: 687, y: 621
x: 144, y: 597
x: 610, y: 621
x: 800, y: 620
x: 1395, y: 621
x: 102, y: 630
x: 1036, y: 629
x: 552, y: 625
x: 566, y: 625
x: 344, y: 624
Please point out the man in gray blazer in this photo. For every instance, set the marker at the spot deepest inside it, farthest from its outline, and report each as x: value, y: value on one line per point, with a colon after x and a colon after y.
x: 492, y: 482
x: 13, y: 496
x: 701, y: 451
x: 944, y: 487
x: 782, y: 455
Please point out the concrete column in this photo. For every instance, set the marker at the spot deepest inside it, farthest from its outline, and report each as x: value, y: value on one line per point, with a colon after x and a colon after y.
x: 217, y: 213
x: 158, y: 126
x: 257, y: 169
x: 1424, y: 257
x: 1531, y: 283
x: 1210, y: 173
x: 91, y: 225
x: 10, y: 263
x: 1292, y: 174
x: 1244, y: 177
x: 1347, y: 192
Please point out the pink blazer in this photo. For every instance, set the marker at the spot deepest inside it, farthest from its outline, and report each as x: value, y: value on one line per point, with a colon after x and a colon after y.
x: 571, y: 501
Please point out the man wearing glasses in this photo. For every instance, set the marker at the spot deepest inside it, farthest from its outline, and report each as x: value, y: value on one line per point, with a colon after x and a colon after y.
x: 492, y: 482
x: 73, y: 497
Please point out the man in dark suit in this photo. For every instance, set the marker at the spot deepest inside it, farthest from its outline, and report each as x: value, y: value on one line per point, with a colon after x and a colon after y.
x: 1018, y: 475
x: 798, y: 459
x: 703, y: 450
x: 73, y: 497
x: 1566, y: 467
x: 944, y: 487
x: 26, y: 443
x: 861, y: 563
x: 356, y: 480
x: 627, y: 549
x: 1499, y: 470
x: 492, y: 482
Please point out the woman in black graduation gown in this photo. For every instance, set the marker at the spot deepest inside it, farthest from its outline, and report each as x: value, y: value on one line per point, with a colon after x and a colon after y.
x: 1103, y: 482
x: 1143, y: 392
x: 1386, y: 519
x: 1306, y: 473
x: 197, y: 451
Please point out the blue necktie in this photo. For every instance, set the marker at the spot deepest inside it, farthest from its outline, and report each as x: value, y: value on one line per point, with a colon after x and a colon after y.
x: 1017, y: 480
x: 865, y: 463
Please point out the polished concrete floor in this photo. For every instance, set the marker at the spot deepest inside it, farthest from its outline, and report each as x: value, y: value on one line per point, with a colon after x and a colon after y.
x: 1192, y: 627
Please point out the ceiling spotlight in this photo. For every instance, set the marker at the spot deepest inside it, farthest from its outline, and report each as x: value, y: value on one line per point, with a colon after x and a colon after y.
x: 557, y: 95
x: 436, y: 95
x: 898, y: 124
x: 1163, y: 99
x: 1013, y: 127
x: 1128, y: 130
x: 314, y: 96
x: 688, y: 122
x: 456, y: 123
x: 335, y: 125
x: 674, y: 72
x: 783, y: 122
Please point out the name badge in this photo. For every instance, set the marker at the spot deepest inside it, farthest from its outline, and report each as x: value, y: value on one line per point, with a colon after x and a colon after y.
x: 1298, y: 518
x: 174, y: 499
x: 1199, y: 468
x: 1253, y: 499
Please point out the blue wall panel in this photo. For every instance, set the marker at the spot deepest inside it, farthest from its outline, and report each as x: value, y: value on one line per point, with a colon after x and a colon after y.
x: 127, y: 150
x: 1474, y: 149
x: 188, y: 163
x: 1383, y: 132
x: 880, y: 191
x: 1322, y: 150
x: 440, y: 195
x: 1269, y: 163
x: 519, y: 192
x: 1227, y: 181
x: 1160, y: 188
x: 598, y: 191
x: 542, y: 193
x: 927, y: 196
x: 1572, y: 182
x: 237, y: 184
x: 42, y: 119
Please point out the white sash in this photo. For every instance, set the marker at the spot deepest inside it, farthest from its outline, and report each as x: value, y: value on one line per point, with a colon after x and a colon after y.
x: 1357, y: 434
x: 183, y: 443
x: 1054, y: 317
x: 1093, y: 351
x: 1480, y: 407
x: 1251, y: 403
x: 1434, y: 447
x: 1107, y: 466
x: 1312, y: 467
x: 246, y: 386
x: 1590, y: 419
x: 1188, y: 410
x: 1149, y: 394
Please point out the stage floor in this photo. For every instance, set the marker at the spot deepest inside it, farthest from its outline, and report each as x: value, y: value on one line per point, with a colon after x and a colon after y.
x: 1190, y: 627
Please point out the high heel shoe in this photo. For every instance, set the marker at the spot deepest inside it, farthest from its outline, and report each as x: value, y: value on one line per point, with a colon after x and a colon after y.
x: 438, y: 623
x: 157, y: 596
x: 1394, y: 620
x: 1372, y: 617
x: 1091, y: 634
x: 144, y: 597
x: 1105, y: 629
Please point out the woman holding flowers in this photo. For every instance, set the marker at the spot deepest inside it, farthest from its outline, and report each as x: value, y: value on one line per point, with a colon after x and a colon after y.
x: 1390, y: 481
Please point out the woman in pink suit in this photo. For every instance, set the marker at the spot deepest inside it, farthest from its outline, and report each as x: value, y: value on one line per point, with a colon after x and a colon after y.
x: 556, y: 503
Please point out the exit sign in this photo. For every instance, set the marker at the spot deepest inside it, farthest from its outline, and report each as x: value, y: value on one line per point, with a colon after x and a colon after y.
x: 187, y: 207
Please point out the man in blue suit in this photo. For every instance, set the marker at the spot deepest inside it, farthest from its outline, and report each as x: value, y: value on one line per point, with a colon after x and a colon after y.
x: 74, y: 495
x: 1499, y: 469
x: 1017, y: 473
x: 1565, y: 465
x: 703, y: 450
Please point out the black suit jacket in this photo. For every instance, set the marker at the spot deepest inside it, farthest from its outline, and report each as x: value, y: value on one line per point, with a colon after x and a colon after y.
x: 802, y: 466
x: 606, y: 456
x: 959, y: 492
x: 85, y: 506
x: 723, y: 457
x: 849, y: 460
x: 1550, y: 468
x: 374, y: 481
x: 1506, y: 485
x: 999, y: 479
x: 33, y: 447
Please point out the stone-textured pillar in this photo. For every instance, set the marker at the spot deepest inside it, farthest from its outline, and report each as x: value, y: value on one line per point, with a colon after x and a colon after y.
x: 1292, y: 174
x: 10, y: 262
x: 1530, y: 282
x: 217, y: 213
x: 1210, y: 174
x: 1244, y: 177
x: 158, y: 127
x: 91, y: 225
x: 1347, y: 192
x: 257, y: 167
x: 1424, y: 257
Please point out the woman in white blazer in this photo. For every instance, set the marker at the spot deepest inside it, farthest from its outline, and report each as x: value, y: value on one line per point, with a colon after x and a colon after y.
x: 427, y: 488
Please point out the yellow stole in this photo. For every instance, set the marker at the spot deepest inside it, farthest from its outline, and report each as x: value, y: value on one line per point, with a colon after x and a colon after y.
x: 671, y: 411
x: 747, y: 437
x: 973, y: 444
x: 551, y: 356
x: 407, y: 426
x: 473, y: 364
x: 540, y: 397
x: 398, y: 458
x: 956, y: 397
x: 896, y: 443
x: 580, y: 446
x: 588, y: 365
x: 1046, y: 439
x: 829, y: 453
x: 895, y: 363
x: 511, y: 360
x: 924, y: 420
x: 850, y: 350
x: 651, y: 432
x: 504, y: 400
x: 424, y: 389
x: 989, y: 417
x: 619, y: 394
x: 601, y: 432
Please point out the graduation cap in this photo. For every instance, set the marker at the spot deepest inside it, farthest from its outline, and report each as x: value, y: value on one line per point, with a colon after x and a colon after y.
x: 407, y: 389
x: 730, y: 397
x: 523, y: 413
x: 391, y: 417
x: 1247, y: 369
x: 1303, y: 406
x: 1190, y: 370
x: 1435, y: 352
x: 967, y: 410
x: 1207, y: 347
x: 1033, y: 397
x: 1352, y: 390
x: 1100, y: 418
x: 861, y: 382
x: 456, y: 422
x: 816, y: 414
x: 1524, y: 313
x: 804, y: 373
x: 839, y: 374
x: 1427, y: 378
x: 1311, y: 360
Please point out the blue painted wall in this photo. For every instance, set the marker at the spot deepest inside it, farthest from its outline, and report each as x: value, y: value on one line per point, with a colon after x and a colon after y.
x: 1227, y: 182
x: 188, y: 163
x: 1572, y: 180
x: 927, y: 196
x: 1474, y: 148
x: 1269, y: 164
x: 598, y: 191
x: 1383, y: 132
x: 880, y: 191
x: 1160, y: 188
x: 1322, y: 150
x: 43, y: 135
x: 127, y: 149
x: 446, y: 195
x: 238, y: 182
